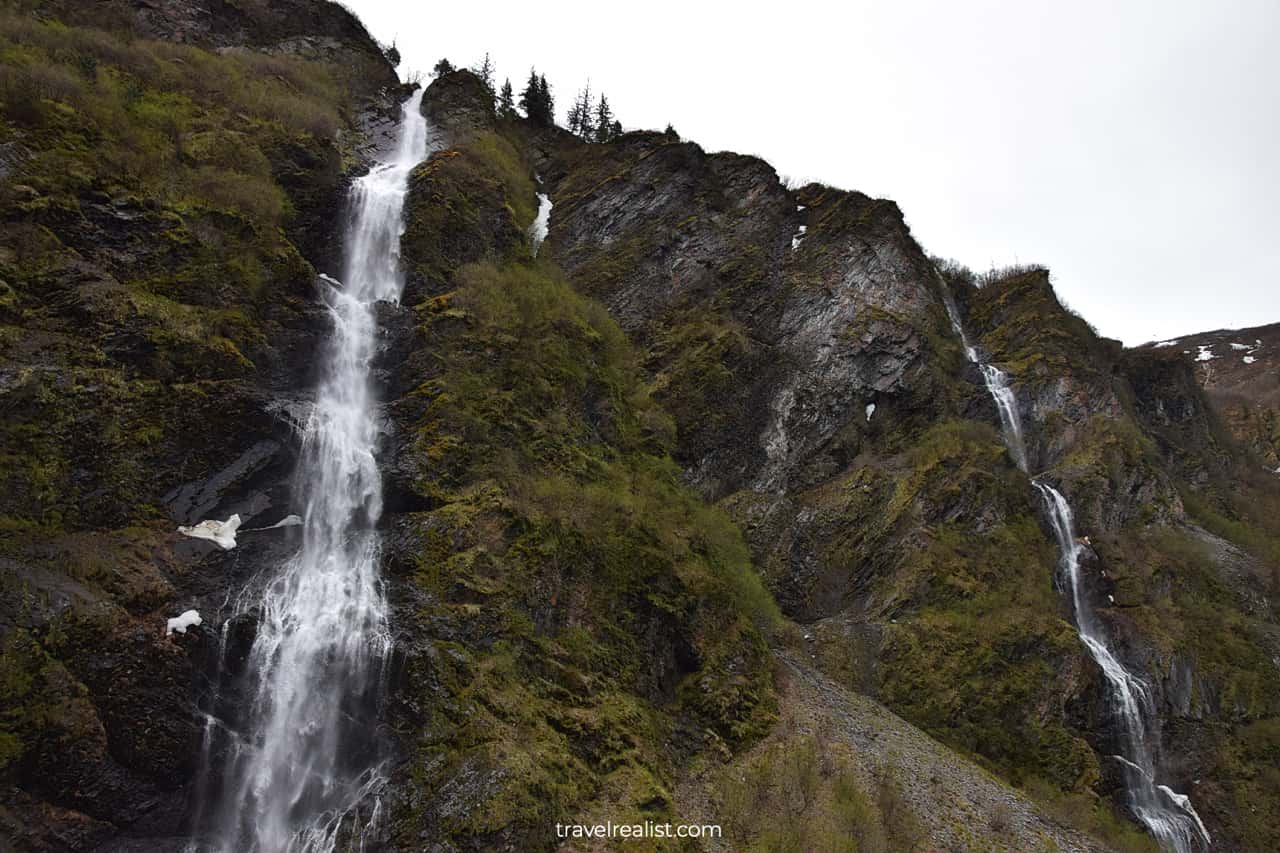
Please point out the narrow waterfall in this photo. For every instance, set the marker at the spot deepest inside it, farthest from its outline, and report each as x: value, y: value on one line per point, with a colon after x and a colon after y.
x: 997, y: 382
x: 300, y: 768
x: 1168, y: 815
x: 538, y: 230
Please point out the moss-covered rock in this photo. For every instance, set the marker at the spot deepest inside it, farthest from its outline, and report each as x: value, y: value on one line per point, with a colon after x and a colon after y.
x: 577, y: 624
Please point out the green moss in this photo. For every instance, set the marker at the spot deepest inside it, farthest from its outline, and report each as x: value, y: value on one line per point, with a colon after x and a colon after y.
x: 1026, y: 329
x: 469, y: 203
x: 146, y: 250
x: 38, y: 698
x: 624, y: 603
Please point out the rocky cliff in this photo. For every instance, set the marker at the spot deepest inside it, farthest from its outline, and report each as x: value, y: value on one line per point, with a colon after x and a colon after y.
x: 1238, y: 369
x: 605, y: 463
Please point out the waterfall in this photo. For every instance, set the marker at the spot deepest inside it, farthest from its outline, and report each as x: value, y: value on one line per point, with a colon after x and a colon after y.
x: 300, y: 758
x: 538, y: 230
x: 1168, y: 815
x: 997, y: 382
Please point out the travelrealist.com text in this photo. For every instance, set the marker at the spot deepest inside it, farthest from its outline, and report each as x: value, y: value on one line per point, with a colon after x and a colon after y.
x: 648, y: 829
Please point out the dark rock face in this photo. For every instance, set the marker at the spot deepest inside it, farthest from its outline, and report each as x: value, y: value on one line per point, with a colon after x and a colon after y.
x: 459, y: 106
x: 779, y: 325
x: 1238, y: 368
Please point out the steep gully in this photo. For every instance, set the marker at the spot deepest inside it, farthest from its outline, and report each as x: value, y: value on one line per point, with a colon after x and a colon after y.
x: 290, y: 754
x: 1167, y: 815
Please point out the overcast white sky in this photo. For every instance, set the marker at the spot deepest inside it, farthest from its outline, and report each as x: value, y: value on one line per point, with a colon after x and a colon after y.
x: 1133, y: 146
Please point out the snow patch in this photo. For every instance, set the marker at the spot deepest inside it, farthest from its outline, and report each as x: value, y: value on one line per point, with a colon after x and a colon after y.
x: 183, y: 621
x: 1248, y: 359
x: 1167, y: 343
x: 1236, y: 346
x: 1205, y: 353
x: 223, y: 533
x: 871, y: 410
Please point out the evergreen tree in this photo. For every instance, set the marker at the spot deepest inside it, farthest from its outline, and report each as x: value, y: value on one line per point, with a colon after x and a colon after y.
x: 617, y: 129
x: 506, y: 101
x: 586, y: 121
x: 575, y: 117
x: 536, y: 100
x: 529, y: 97
x: 442, y: 68
x: 546, y: 104
x: 485, y: 72
x: 604, y: 120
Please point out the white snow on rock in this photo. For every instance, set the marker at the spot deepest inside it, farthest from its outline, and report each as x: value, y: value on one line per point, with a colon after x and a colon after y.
x: 223, y: 533
x: 1248, y: 359
x: 182, y: 622
x: 1167, y: 343
x: 1206, y: 352
x: 871, y: 410
x: 1240, y: 346
x: 799, y: 235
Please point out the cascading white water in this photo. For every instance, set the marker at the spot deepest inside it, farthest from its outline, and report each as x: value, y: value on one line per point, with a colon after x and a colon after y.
x: 997, y: 382
x: 301, y: 770
x: 1168, y: 815
x: 538, y: 230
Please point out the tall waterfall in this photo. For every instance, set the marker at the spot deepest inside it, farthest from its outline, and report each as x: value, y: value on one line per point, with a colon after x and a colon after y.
x: 300, y: 770
x: 1168, y: 815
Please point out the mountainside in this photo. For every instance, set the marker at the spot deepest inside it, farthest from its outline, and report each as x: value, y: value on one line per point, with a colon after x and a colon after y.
x: 1240, y: 372
x: 700, y: 511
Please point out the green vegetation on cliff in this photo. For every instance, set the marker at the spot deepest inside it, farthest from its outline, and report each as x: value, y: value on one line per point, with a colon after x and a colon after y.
x: 592, y: 623
x: 147, y: 246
